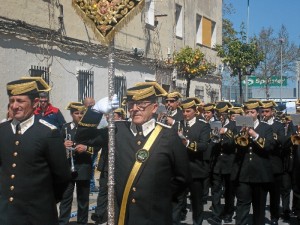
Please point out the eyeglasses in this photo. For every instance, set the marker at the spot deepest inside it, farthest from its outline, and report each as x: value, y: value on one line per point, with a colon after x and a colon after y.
x: 141, y: 105
x: 171, y: 101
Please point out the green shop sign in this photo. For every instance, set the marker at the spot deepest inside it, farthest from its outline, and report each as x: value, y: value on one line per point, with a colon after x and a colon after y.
x: 274, y: 81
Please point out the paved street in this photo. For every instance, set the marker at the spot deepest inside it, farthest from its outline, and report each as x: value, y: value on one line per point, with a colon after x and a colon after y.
x: 188, y: 220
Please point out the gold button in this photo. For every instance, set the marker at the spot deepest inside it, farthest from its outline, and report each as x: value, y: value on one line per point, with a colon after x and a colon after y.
x: 14, y: 165
x: 133, y: 200
x: 139, y: 142
x: 250, y: 153
x: 250, y: 159
x: 19, y: 132
x: 12, y: 176
x: 17, y: 142
x: 250, y: 148
x: 11, y: 199
x: 133, y: 189
x: 15, y: 153
x: 12, y: 188
x: 140, y: 133
x: 221, y: 154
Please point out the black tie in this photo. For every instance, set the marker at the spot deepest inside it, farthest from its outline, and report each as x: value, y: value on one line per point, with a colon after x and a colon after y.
x: 18, y: 129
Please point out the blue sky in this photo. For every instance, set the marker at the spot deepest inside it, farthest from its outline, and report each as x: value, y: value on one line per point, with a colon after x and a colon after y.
x: 268, y: 13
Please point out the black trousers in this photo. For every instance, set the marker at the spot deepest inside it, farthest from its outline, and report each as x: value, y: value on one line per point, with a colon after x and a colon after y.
x: 179, y: 205
x: 274, y: 190
x: 102, y: 198
x: 247, y: 193
x: 286, y: 187
x: 197, y: 190
x: 83, y: 191
x: 218, y: 180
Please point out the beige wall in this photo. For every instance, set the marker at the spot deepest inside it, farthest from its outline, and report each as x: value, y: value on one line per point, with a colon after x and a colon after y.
x: 18, y: 51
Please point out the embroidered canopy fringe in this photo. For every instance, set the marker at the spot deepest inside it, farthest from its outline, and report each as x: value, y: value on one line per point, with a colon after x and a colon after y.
x: 106, y: 39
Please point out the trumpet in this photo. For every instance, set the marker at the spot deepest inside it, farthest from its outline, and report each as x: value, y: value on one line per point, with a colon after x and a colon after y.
x: 163, y: 119
x: 295, y: 138
x: 243, y: 138
x: 70, y: 152
x: 215, y: 135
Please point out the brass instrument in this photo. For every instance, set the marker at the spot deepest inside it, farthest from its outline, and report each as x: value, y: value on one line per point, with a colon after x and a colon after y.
x: 70, y: 153
x: 215, y: 135
x: 295, y: 138
x: 243, y: 138
x: 163, y: 118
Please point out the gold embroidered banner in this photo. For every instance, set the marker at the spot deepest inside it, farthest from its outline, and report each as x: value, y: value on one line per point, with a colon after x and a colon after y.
x: 106, y: 17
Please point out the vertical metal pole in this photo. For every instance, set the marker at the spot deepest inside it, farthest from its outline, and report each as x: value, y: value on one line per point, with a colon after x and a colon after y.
x: 111, y: 141
x: 247, y: 40
x: 281, y: 42
x: 297, y: 78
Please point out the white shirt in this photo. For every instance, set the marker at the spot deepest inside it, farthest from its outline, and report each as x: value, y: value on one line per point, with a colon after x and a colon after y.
x: 146, y: 127
x: 25, y: 125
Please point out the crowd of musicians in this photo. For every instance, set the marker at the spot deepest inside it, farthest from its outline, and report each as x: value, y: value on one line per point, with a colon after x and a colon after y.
x: 164, y: 159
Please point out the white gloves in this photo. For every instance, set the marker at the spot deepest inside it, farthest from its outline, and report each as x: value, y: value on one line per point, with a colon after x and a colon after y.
x: 104, y: 105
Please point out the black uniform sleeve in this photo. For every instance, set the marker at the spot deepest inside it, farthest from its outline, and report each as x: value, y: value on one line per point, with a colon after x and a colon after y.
x: 57, y: 160
x: 182, y: 174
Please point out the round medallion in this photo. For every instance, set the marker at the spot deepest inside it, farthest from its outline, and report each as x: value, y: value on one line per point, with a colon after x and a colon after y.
x: 142, y: 155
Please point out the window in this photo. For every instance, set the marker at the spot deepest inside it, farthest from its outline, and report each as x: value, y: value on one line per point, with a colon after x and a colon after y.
x: 150, y: 17
x: 85, y: 84
x: 181, y: 89
x: 199, y: 92
x: 40, y: 71
x: 199, y: 29
x: 179, y: 21
x: 206, y: 32
x: 120, y: 86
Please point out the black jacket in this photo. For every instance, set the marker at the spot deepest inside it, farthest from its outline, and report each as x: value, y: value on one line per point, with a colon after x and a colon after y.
x: 198, y: 135
x: 164, y: 174
x: 224, y: 152
x: 252, y: 163
x: 34, y: 173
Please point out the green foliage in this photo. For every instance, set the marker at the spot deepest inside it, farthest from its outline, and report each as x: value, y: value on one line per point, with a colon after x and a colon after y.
x: 239, y: 56
x: 191, y: 63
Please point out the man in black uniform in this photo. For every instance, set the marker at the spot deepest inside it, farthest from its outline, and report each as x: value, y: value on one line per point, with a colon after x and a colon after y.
x: 149, y: 155
x: 288, y: 156
x: 100, y: 215
x: 268, y: 111
x: 195, y: 136
x: 252, y: 170
x: 209, y: 116
x: 81, y: 167
x: 221, y: 164
x: 33, y: 165
x: 172, y: 103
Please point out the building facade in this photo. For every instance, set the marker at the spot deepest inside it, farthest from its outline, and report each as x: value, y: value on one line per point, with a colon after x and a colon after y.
x: 48, y: 38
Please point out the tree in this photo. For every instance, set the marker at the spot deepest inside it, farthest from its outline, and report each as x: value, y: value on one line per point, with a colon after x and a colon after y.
x: 271, y: 45
x: 241, y: 58
x: 190, y: 64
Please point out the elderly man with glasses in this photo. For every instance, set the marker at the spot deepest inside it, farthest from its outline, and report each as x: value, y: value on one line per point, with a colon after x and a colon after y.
x: 151, y: 163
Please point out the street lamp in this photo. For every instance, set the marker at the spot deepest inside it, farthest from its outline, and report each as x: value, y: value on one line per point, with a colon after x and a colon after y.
x: 246, y: 78
x: 281, y: 40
